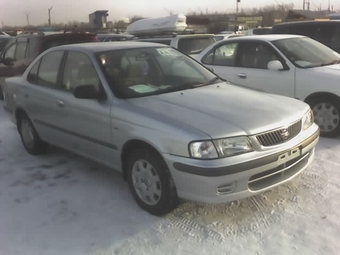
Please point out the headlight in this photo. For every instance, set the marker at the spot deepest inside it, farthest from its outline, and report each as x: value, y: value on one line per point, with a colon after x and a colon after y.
x: 307, y: 120
x: 233, y: 146
x: 220, y: 148
x: 203, y: 150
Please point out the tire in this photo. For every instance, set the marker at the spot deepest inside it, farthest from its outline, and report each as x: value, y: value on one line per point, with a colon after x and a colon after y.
x: 157, y: 186
x: 326, y: 112
x: 29, y: 136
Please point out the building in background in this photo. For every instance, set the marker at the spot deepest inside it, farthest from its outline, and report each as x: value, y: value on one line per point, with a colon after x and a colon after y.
x: 98, y: 19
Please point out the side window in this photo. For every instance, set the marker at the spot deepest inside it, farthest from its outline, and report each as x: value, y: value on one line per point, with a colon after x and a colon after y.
x: 224, y: 55
x: 21, y: 50
x: 79, y: 70
x: 32, y: 76
x: 256, y: 55
x: 49, y: 69
x: 10, y: 52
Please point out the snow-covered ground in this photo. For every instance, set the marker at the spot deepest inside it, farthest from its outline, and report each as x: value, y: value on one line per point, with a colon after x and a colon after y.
x: 60, y: 203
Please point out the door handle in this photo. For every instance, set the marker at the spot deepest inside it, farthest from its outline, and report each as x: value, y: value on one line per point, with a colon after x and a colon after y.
x: 60, y: 103
x: 242, y: 75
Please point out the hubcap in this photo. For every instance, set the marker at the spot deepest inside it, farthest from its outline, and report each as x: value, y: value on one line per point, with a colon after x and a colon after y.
x: 27, y: 133
x: 326, y: 116
x: 146, y: 182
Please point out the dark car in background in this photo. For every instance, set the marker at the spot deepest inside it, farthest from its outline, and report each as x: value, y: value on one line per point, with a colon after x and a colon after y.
x: 19, y: 53
x: 114, y: 37
x: 326, y: 32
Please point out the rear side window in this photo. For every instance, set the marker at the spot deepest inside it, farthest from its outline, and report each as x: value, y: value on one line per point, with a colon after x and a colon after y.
x: 46, y: 72
x: 194, y: 45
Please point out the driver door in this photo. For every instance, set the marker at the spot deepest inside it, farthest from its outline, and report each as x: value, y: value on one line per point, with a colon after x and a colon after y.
x: 252, y: 71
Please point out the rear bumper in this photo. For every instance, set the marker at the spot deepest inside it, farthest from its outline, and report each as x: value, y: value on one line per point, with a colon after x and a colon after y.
x: 218, y: 181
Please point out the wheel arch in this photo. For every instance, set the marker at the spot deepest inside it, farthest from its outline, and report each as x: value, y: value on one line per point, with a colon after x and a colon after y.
x: 309, y: 99
x: 131, y: 145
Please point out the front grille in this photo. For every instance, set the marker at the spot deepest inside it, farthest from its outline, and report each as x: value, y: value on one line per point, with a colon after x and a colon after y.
x: 280, y: 135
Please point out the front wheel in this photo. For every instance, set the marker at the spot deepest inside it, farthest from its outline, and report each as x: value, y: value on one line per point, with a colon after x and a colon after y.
x: 151, y: 183
x: 326, y: 112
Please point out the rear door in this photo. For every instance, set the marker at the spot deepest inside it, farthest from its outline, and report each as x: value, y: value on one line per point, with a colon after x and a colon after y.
x: 40, y: 96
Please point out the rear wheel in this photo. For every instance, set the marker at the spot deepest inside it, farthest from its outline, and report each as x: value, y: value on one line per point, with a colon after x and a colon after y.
x: 29, y: 136
x: 326, y: 112
x: 150, y: 182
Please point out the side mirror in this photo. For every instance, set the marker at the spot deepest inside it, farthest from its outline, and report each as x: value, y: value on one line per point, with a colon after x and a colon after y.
x: 86, y: 92
x: 275, y: 65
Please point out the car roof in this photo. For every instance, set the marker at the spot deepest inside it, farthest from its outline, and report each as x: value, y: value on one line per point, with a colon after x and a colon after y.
x: 100, y: 47
x: 267, y: 37
x: 56, y: 35
x: 292, y: 23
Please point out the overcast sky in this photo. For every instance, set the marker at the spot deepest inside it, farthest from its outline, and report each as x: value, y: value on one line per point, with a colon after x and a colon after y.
x: 13, y: 12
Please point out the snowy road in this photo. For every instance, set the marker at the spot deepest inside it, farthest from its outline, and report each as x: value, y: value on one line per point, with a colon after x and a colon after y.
x: 63, y: 204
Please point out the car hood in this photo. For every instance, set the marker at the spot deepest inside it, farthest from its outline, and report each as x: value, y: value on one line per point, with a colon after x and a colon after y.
x: 223, y: 110
x: 327, y: 70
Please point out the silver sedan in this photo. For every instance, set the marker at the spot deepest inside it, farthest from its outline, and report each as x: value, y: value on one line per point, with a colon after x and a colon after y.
x: 172, y: 127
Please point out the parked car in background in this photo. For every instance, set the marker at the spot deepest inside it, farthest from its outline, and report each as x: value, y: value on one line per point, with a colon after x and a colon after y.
x: 258, y: 31
x: 24, y: 48
x: 190, y: 44
x: 326, y: 32
x: 219, y: 37
x: 172, y: 127
x: 289, y: 65
x: 114, y: 37
x: 4, y: 39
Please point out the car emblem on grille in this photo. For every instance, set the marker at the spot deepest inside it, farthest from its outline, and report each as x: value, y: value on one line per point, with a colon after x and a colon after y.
x: 284, y: 134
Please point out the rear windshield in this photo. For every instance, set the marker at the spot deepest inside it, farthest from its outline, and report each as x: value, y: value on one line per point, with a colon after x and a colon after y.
x: 194, y: 45
x: 68, y: 40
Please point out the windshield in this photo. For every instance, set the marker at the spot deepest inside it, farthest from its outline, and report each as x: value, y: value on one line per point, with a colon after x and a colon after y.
x: 152, y: 71
x: 307, y: 53
x: 194, y: 45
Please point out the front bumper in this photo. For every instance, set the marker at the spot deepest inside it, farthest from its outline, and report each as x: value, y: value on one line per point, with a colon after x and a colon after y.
x: 229, y: 179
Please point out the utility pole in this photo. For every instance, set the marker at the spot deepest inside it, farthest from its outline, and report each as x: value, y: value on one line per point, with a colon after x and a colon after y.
x: 28, y: 18
x: 237, y: 2
x: 49, y: 16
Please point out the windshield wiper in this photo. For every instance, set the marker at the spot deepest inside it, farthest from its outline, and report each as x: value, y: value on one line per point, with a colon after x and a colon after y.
x: 331, y: 63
